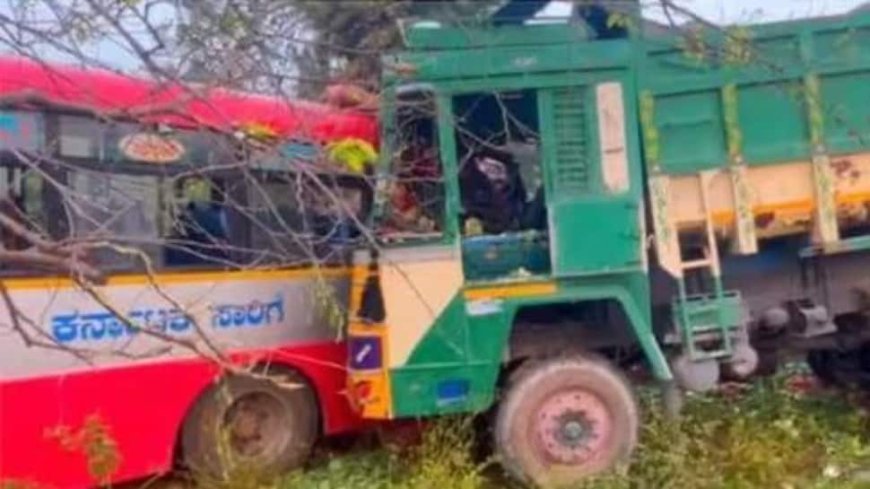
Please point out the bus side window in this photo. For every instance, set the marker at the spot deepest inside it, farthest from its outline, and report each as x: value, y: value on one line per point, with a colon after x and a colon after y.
x: 120, y: 208
x: 20, y: 200
x: 334, y: 208
x: 275, y: 219
x: 199, y: 233
x: 298, y: 220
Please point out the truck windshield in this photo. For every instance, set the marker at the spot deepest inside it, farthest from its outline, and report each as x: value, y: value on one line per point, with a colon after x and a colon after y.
x: 415, y: 187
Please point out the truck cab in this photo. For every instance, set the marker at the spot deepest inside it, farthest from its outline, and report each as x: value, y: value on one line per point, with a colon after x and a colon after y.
x: 511, y: 155
x: 548, y: 189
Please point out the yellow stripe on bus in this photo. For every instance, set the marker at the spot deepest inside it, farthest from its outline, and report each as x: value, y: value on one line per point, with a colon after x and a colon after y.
x: 179, y: 277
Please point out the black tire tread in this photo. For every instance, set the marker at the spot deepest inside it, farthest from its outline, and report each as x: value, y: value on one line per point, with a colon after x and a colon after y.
x: 200, y: 438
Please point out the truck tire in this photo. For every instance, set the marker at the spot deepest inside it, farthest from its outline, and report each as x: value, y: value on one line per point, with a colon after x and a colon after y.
x: 848, y: 368
x: 251, y: 422
x: 564, y: 419
x: 821, y: 363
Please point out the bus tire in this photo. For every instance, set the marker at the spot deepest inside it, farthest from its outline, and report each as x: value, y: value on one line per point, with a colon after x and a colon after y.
x: 251, y: 423
x: 564, y: 419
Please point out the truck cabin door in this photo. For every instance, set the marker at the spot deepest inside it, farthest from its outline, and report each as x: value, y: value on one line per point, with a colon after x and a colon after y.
x: 592, y: 176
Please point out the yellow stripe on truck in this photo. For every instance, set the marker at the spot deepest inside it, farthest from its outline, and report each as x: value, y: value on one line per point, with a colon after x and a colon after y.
x: 507, y: 291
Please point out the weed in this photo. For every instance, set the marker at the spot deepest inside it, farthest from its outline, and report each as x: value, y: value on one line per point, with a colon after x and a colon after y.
x: 93, y: 440
x: 763, y: 437
x: 441, y: 460
x: 766, y: 438
x: 238, y: 476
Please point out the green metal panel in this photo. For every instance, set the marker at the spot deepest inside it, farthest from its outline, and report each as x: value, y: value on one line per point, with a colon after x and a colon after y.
x: 466, y: 37
x: 389, y: 139
x: 691, y: 131
x: 591, y: 231
x: 459, y: 348
x: 450, y: 344
x: 519, y: 61
x: 447, y: 139
x: 596, y: 236
x: 775, y: 121
x: 789, y: 138
x: 779, y: 51
x: 842, y: 45
x: 846, y: 106
x: 415, y: 389
x: 415, y: 385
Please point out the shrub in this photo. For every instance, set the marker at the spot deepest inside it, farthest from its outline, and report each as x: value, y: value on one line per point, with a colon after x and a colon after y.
x: 765, y: 436
x: 442, y: 460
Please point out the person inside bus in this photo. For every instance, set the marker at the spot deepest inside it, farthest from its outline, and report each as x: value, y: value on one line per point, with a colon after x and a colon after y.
x: 333, y: 214
x: 210, y: 227
x: 202, y: 235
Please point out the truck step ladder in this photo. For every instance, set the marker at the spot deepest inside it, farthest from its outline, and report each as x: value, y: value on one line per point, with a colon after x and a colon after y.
x: 705, y: 317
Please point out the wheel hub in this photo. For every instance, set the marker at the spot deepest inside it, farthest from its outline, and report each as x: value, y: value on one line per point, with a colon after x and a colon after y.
x: 573, y: 432
x: 253, y: 425
x: 573, y: 427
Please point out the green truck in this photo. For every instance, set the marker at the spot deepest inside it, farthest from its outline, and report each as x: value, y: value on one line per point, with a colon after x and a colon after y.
x: 558, y: 203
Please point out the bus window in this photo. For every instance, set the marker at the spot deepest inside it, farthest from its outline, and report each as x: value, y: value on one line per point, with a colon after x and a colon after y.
x: 21, y: 193
x: 118, y: 208
x: 298, y: 220
x: 277, y: 223
x: 80, y: 137
x: 334, y: 212
x: 199, y: 232
x: 21, y: 184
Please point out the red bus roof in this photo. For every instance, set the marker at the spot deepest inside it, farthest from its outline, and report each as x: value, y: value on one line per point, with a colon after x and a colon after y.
x: 24, y: 80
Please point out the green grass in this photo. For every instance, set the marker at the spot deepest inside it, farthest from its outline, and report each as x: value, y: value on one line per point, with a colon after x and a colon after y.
x: 443, y: 460
x: 765, y: 437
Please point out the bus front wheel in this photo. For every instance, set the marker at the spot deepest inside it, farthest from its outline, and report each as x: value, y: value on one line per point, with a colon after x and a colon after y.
x: 264, y: 424
x: 564, y: 419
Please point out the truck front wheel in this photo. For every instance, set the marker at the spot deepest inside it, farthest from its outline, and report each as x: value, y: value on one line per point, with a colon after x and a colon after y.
x: 565, y: 419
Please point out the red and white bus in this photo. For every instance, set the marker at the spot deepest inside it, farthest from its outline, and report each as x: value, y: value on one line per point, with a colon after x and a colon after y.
x: 99, y: 156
